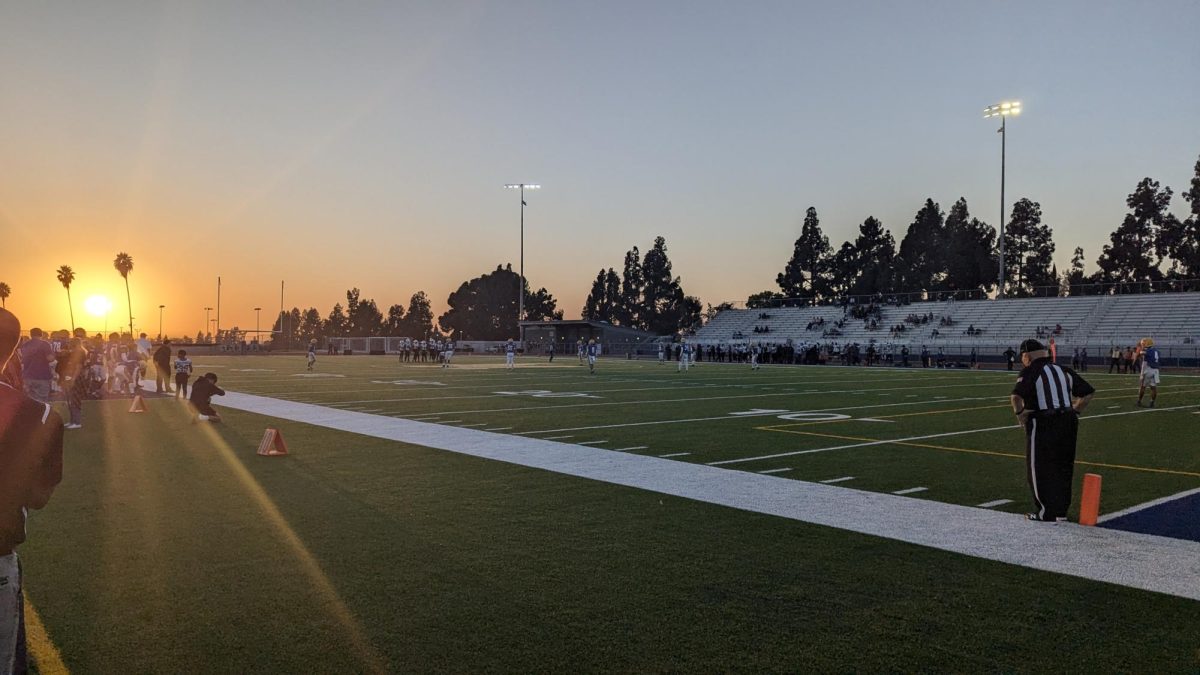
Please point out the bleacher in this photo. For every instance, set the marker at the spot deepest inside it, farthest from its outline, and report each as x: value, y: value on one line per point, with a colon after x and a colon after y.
x: 1093, y: 321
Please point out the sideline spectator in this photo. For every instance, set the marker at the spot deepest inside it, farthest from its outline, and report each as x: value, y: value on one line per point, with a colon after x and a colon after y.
x: 162, y: 368
x: 36, y: 357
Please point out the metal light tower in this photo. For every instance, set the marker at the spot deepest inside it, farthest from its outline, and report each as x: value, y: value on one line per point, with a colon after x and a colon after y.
x: 521, y: 291
x: 1002, y: 110
x: 257, y: 326
x: 207, y: 323
x: 160, y: 309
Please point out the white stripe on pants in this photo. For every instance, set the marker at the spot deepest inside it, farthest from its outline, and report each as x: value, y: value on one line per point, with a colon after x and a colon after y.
x: 10, y: 610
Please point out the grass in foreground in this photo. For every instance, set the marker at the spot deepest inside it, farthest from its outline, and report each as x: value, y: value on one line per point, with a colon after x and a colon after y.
x: 173, y: 547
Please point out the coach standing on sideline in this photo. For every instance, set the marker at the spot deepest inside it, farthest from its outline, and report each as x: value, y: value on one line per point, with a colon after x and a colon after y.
x: 1047, y: 400
x: 31, y: 437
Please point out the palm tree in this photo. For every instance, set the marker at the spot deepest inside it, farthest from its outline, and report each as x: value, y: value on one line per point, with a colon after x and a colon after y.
x: 65, y: 276
x: 5, y: 291
x: 124, y: 265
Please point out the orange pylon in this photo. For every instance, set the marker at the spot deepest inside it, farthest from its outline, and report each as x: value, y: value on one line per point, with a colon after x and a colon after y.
x: 1089, y: 504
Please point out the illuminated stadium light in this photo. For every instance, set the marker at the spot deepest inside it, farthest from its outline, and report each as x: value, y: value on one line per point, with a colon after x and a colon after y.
x: 1003, y: 110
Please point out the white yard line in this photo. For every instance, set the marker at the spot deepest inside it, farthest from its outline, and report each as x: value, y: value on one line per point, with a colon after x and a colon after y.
x: 1141, y: 507
x: 744, y: 415
x: 591, y: 442
x: 777, y: 470
x: 843, y: 479
x: 557, y: 438
x: 947, y: 434
x: 909, y: 491
x: 498, y: 429
x: 1130, y: 559
x: 673, y: 454
x: 473, y: 424
x: 633, y: 447
x: 993, y: 503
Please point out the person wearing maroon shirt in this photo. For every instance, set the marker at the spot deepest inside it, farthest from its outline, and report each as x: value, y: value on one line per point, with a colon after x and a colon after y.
x: 31, y: 438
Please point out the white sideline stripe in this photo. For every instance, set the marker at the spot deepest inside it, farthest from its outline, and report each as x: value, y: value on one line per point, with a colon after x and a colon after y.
x: 424, y: 419
x: 909, y: 491
x: 498, y: 429
x: 675, y: 454
x: 922, y: 438
x: 556, y: 438
x: 993, y: 503
x: 591, y: 442
x: 1141, y: 507
x: 777, y: 470
x: 838, y: 480
x: 1143, y: 561
x: 633, y: 447
x: 473, y: 424
x: 447, y: 422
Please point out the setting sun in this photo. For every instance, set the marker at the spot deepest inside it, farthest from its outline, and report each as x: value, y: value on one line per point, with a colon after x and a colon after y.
x: 98, y: 305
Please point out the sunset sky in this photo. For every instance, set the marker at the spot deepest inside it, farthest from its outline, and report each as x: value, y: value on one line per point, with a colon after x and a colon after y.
x: 364, y: 144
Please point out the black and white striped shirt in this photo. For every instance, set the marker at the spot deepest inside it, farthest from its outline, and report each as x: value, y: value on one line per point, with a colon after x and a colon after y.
x: 1046, y: 386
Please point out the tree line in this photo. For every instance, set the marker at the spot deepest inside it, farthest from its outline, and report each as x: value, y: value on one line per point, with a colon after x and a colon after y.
x: 646, y: 295
x: 483, y: 308
x: 949, y: 252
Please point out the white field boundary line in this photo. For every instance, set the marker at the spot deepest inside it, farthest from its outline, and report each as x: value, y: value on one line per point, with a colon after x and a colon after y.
x: 1150, y: 504
x: 994, y: 503
x: 1147, y: 562
x: 929, y: 436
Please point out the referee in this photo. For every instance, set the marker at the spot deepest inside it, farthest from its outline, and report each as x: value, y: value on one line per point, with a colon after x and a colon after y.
x: 1047, y: 400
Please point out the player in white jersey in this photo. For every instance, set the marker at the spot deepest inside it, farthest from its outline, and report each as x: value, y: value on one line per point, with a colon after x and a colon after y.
x: 580, y: 349
x: 662, y: 354
x: 1149, y: 378
x: 447, y: 353
x: 685, y: 356
x: 593, y: 350
x: 510, y: 354
x: 312, y: 354
x: 754, y: 353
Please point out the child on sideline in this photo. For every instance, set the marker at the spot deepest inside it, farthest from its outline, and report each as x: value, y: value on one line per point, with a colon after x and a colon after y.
x: 201, y: 398
x: 183, y: 371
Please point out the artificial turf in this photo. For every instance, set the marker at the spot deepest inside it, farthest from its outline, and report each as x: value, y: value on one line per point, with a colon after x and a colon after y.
x: 172, y: 547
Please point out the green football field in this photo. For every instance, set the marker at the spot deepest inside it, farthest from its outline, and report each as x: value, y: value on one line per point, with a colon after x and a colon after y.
x: 173, y: 547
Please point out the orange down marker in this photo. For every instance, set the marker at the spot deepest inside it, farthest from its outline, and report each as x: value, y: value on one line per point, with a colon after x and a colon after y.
x: 1089, y: 505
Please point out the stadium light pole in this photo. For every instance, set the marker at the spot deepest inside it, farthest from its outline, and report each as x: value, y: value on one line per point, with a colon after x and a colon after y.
x: 1003, y: 110
x: 206, y: 321
x: 160, y: 309
x: 257, y: 325
x: 521, y: 291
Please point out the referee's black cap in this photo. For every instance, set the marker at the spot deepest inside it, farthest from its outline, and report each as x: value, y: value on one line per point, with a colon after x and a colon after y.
x: 1031, y: 345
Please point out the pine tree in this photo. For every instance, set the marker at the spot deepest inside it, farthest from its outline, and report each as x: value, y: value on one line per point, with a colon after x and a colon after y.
x: 1131, y: 254
x: 661, y: 293
x: 921, y: 251
x: 627, y: 308
x: 597, y: 300
x: 1180, y: 239
x: 969, y: 261
x: 807, y: 272
x: 1028, y: 250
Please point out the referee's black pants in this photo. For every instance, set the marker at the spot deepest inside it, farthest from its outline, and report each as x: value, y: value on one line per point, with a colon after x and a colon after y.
x: 1050, y: 461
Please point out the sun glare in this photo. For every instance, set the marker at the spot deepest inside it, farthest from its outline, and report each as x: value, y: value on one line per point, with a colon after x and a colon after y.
x: 97, y: 305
